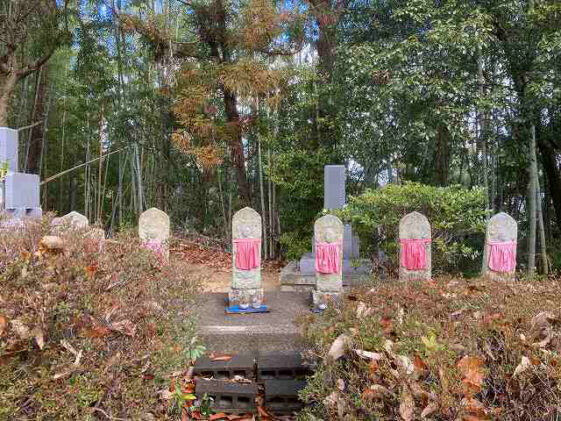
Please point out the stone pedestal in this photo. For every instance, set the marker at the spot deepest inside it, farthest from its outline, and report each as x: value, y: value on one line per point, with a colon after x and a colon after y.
x: 9, y: 148
x: 19, y: 192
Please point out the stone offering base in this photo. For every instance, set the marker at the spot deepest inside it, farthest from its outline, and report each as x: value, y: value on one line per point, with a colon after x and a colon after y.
x: 321, y: 300
x: 233, y: 334
x: 246, y: 298
x: 414, y: 275
x: 499, y: 276
x: 294, y: 280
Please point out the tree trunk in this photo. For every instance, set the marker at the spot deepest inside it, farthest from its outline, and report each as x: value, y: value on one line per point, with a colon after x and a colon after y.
x: 531, y: 211
x: 236, y: 147
x: 539, y: 214
x: 73, y: 188
x: 327, y: 16
x: 36, y: 135
x: 548, y: 157
x: 7, y: 87
x: 482, y: 120
x: 441, y: 156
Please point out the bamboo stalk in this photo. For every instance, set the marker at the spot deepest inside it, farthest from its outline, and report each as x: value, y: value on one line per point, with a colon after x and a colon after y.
x: 60, y: 174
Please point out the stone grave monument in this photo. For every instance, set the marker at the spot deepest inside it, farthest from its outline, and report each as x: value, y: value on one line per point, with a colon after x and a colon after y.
x: 74, y: 220
x: 415, y: 247
x: 246, y: 294
x: 154, y: 231
x: 19, y: 192
x: 328, y: 265
x: 300, y: 275
x: 499, y: 255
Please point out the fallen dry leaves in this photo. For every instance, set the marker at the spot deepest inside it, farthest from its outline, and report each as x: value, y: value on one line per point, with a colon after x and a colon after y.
x: 472, y: 374
x: 220, y: 357
x: 406, y: 405
x: 3, y: 324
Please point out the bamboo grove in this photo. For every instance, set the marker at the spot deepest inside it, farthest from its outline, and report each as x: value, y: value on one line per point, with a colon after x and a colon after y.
x: 201, y: 107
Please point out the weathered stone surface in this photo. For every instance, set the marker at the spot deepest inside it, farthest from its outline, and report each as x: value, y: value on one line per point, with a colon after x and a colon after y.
x: 21, y: 191
x: 96, y: 237
x: 154, y: 231
x: 73, y: 220
x: 246, y: 297
x: 416, y: 226
x: 329, y: 229
x: 246, y: 223
x: 293, y: 279
x: 334, y: 179
x: 321, y: 299
x: 501, y: 228
x: 9, y: 148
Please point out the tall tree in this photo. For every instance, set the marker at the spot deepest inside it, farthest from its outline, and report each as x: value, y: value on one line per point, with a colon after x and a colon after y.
x: 30, y: 32
x: 222, y: 74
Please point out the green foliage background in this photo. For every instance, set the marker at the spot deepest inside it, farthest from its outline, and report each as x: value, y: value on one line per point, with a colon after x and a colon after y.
x: 456, y: 215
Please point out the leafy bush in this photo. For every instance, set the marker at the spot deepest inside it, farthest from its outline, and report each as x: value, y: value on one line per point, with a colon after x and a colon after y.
x: 442, y: 349
x: 456, y: 215
x: 294, y: 247
x: 89, y: 334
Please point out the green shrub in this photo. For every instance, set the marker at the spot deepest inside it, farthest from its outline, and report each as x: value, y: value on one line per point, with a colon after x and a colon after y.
x: 293, y: 246
x: 456, y: 215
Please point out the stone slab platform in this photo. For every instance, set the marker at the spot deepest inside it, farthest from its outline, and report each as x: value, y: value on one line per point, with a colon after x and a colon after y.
x: 257, y: 333
x: 293, y: 280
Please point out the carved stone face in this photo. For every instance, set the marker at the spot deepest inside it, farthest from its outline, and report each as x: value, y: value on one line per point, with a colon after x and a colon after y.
x: 246, y: 231
x: 330, y: 235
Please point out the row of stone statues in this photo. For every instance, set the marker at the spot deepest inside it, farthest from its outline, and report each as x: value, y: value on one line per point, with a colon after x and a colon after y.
x: 246, y: 293
x: 414, y: 256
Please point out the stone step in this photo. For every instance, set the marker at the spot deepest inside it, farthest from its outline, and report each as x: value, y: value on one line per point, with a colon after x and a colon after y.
x: 278, y: 375
x: 228, y: 396
x: 282, y: 366
x: 281, y: 396
x: 239, y: 365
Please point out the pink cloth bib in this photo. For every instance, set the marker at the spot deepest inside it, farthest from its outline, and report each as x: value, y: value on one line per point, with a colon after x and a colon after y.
x: 157, y: 247
x: 248, y: 253
x: 502, y: 256
x: 413, y: 254
x: 328, y: 257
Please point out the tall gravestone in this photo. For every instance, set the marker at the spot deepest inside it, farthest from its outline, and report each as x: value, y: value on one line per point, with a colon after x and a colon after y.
x: 154, y: 232
x: 415, y: 247
x: 499, y: 255
x: 246, y: 292
x: 334, y: 196
x: 328, y: 265
x: 19, y: 192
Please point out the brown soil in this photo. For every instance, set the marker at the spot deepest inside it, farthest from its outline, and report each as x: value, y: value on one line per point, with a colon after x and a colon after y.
x: 218, y: 280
